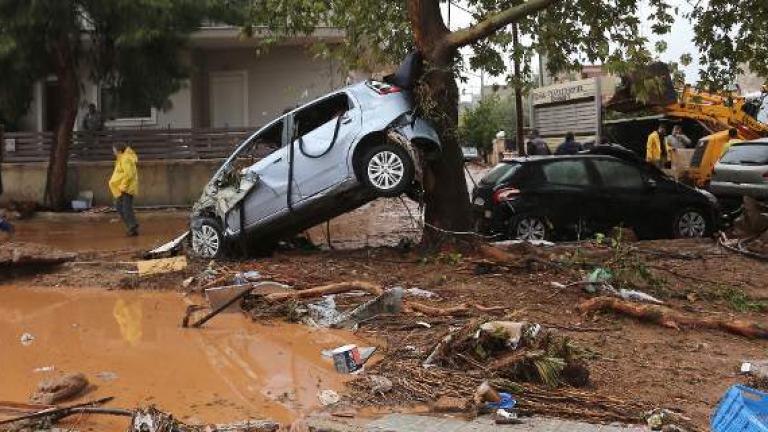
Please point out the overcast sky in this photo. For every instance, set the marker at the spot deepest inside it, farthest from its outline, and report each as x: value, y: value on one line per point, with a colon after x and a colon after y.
x: 679, y: 42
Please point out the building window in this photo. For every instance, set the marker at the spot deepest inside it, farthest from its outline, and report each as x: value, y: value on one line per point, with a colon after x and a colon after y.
x: 119, y: 111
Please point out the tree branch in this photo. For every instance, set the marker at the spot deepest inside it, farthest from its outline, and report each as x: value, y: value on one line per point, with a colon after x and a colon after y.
x: 494, y: 22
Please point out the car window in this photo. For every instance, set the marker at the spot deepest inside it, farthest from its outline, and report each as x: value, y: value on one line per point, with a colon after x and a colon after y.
x: 747, y: 154
x: 500, y: 172
x: 312, y: 117
x: 618, y: 174
x: 566, y: 172
x: 264, y: 143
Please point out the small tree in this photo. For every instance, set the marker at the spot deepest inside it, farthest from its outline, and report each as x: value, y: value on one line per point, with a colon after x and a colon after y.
x: 479, y: 125
x: 130, y: 45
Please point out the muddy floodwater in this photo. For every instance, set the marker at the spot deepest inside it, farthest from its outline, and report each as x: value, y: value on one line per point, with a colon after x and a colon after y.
x: 130, y: 345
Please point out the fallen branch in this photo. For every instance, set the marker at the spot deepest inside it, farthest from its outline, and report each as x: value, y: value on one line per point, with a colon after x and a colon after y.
x: 669, y: 318
x: 56, y: 411
x: 336, y: 288
x: 453, y: 310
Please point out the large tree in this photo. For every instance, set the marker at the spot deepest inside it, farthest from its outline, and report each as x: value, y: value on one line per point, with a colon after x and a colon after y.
x: 569, y: 32
x: 130, y: 45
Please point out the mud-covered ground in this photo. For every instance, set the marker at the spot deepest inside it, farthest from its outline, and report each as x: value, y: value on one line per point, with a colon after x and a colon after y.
x: 647, y: 365
x: 685, y: 370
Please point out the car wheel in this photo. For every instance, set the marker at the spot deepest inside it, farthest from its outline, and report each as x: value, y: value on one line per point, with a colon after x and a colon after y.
x: 531, y: 228
x: 388, y: 170
x: 207, y: 239
x: 691, y: 223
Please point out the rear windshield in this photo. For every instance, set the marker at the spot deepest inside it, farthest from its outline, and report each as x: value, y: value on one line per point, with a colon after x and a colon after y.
x: 500, y: 173
x: 747, y: 154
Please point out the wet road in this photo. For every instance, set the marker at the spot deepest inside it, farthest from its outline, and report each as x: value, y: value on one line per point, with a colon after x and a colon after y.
x: 100, y: 232
x: 131, y: 346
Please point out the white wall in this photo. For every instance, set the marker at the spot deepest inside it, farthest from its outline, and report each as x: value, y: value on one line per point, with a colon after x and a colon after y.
x: 278, y: 78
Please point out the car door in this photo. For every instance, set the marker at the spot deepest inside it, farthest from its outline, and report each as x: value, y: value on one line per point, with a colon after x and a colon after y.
x: 324, y: 132
x: 269, y: 194
x: 567, y: 194
x: 627, y: 194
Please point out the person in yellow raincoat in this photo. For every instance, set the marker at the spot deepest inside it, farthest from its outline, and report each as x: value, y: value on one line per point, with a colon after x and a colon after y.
x: 124, y: 185
x: 656, y: 149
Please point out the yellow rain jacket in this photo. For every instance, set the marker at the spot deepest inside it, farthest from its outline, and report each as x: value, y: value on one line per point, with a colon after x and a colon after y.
x: 125, y: 177
x: 653, y: 148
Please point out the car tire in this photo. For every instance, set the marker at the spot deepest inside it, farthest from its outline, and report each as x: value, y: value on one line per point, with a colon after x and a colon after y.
x: 387, y: 169
x: 691, y: 222
x: 208, y: 239
x: 531, y: 227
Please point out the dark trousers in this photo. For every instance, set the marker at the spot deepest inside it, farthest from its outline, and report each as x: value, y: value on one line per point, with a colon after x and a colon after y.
x: 124, y: 207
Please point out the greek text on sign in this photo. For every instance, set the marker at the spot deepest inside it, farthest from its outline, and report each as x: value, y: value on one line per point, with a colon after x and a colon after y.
x: 564, y: 92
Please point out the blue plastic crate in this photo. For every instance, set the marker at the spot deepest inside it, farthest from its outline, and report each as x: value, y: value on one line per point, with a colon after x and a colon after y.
x: 741, y: 409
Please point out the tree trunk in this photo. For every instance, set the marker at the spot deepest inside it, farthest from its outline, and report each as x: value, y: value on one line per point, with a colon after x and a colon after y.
x: 437, y: 98
x: 446, y: 196
x: 69, y: 97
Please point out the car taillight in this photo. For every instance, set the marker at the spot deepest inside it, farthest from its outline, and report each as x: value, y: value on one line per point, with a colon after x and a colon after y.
x: 385, y: 90
x: 765, y: 175
x: 505, y: 194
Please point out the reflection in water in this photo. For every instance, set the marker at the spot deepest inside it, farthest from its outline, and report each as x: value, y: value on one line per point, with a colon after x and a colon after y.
x: 128, y: 317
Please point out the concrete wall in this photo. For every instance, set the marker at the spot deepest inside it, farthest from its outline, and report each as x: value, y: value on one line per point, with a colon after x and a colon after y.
x: 176, y: 182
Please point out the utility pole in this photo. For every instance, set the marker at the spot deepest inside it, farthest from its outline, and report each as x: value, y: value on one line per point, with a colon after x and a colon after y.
x: 482, y: 84
x: 518, y: 96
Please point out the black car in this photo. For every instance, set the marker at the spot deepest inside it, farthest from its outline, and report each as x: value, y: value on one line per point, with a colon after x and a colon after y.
x: 538, y: 198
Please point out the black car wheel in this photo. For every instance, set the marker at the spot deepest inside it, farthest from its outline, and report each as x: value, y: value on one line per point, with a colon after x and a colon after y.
x: 529, y: 227
x: 691, y: 223
x: 207, y: 239
x: 388, y: 170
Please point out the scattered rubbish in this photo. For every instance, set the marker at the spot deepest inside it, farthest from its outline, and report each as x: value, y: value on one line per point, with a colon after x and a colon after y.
x: 512, y: 330
x: 84, y: 201
x: 61, y: 389
x: 389, y: 302
x: 152, y: 420
x: 44, y: 369
x: 323, y: 313
x: 27, y: 339
x: 243, y: 278
x: 366, y: 353
x: 558, y: 285
x: 106, y: 376
x: 599, y: 276
x: 346, y: 359
x: 508, y: 243
x: 16, y: 255
x: 214, y: 312
x: 665, y: 420
x: 379, y: 384
x: 220, y: 295
x: 328, y: 397
x: 187, y: 282
x: 420, y: 293
x: 638, y: 296
x: 168, y: 248
x: 423, y: 324
x: 161, y: 265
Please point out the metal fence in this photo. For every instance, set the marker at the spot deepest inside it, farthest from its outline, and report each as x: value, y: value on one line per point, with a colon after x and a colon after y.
x: 150, y: 144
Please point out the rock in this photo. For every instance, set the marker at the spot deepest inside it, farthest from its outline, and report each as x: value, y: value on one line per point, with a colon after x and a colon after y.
x: 379, y: 384
x: 53, y: 391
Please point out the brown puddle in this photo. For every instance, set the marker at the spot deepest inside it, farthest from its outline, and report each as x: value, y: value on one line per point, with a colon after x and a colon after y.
x: 232, y: 369
x: 101, y: 232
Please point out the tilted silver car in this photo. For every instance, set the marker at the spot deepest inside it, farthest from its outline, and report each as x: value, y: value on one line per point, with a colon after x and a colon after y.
x: 742, y: 171
x: 316, y: 162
